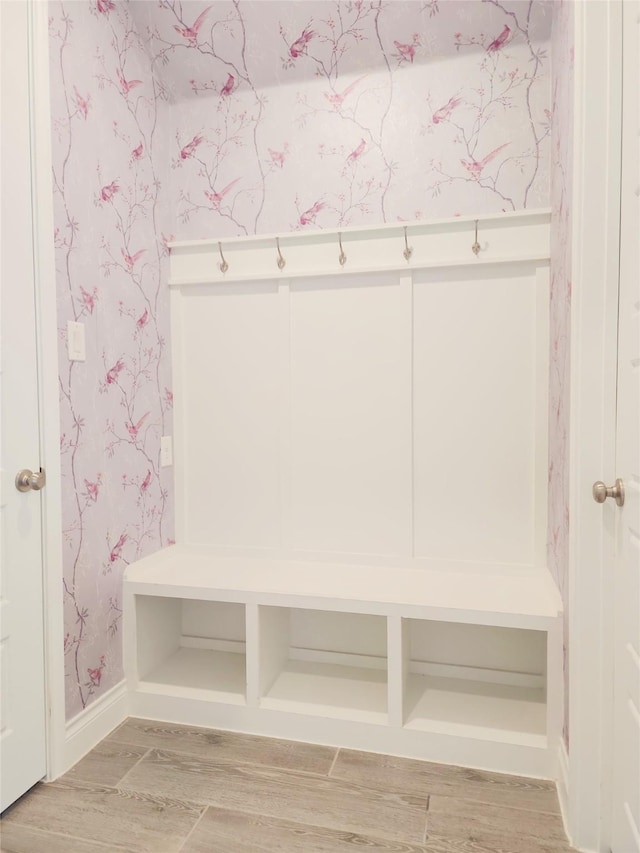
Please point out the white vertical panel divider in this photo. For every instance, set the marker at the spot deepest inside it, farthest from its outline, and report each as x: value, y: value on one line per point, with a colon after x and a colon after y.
x: 406, y: 287
x: 406, y: 283
x: 554, y: 682
x: 284, y: 310
x: 541, y: 426
x: 398, y: 663
x: 252, y: 630
x: 273, y: 645
x: 179, y: 427
x: 130, y: 639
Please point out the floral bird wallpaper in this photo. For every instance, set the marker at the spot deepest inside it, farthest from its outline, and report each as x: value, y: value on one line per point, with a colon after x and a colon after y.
x: 405, y: 110
x: 182, y: 120
x: 109, y: 176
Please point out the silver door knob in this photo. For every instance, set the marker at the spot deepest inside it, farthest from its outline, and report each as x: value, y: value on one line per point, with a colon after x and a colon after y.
x: 601, y: 492
x: 27, y: 480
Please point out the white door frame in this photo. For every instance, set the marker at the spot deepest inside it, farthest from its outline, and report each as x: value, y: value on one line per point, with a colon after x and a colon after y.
x: 594, y: 313
x: 47, y: 335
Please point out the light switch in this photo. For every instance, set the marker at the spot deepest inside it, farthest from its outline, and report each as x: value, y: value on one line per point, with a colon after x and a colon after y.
x: 166, y: 451
x: 75, y: 341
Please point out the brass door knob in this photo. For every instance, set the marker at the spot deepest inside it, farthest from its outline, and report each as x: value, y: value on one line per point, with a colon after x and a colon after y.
x: 27, y: 480
x: 601, y: 492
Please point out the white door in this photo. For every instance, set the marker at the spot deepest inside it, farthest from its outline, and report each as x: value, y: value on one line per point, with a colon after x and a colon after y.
x: 22, y: 698
x: 626, y: 787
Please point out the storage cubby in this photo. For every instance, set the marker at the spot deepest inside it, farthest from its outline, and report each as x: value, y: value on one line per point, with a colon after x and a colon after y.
x: 323, y: 663
x: 461, y: 668
x: 191, y: 648
x: 475, y: 680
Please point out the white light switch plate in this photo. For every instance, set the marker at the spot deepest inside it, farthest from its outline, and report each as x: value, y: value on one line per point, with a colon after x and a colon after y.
x: 75, y: 341
x: 166, y: 451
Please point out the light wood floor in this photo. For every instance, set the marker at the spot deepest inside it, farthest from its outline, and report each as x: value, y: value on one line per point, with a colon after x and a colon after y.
x: 162, y: 787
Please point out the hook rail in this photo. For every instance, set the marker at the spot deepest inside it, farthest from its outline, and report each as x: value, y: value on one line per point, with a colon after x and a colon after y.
x: 458, y: 241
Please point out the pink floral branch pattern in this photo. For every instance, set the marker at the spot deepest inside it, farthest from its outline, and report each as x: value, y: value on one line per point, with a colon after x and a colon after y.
x: 325, y: 113
x: 470, y: 117
x: 110, y: 260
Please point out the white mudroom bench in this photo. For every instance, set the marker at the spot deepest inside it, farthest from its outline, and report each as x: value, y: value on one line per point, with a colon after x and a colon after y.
x: 361, y: 486
x: 284, y: 648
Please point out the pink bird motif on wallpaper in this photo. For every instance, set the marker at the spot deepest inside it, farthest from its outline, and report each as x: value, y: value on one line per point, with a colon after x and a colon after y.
x: 216, y: 197
x: 336, y: 98
x: 82, y: 103
x: 127, y: 85
x: 134, y: 429
x: 164, y: 240
x: 299, y: 46
x: 444, y: 112
x: 144, y: 485
x: 191, y: 33
x: 357, y: 152
x: 309, y: 216
x: 93, y: 488
x: 229, y: 86
x: 500, y: 40
x: 105, y: 6
x: 136, y: 154
x: 278, y: 157
x: 116, y: 551
x: 190, y: 147
x: 142, y: 320
x: 114, y: 372
x: 89, y: 299
x: 475, y: 167
x: 131, y: 260
x: 168, y: 395
x: 108, y: 192
x: 95, y: 675
x: 407, y: 51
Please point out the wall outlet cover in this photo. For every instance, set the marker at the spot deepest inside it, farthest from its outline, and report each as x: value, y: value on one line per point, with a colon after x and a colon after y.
x: 166, y: 451
x: 76, y: 347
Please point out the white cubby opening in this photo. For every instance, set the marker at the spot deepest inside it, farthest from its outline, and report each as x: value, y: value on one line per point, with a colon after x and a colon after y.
x: 475, y: 680
x: 323, y: 663
x: 193, y: 648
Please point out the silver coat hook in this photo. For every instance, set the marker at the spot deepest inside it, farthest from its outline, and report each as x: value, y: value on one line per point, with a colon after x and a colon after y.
x: 476, y: 246
x: 224, y: 266
x: 281, y: 261
x: 408, y: 250
x: 341, y: 257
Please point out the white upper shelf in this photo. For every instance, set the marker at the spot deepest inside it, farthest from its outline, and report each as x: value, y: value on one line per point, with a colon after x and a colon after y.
x: 519, y: 237
x: 500, y: 595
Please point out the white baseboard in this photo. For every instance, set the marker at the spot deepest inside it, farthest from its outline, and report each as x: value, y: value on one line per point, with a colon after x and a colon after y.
x: 94, y: 723
x: 563, y: 783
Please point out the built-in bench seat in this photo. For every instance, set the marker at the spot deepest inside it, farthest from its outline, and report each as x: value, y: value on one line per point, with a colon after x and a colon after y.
x: 397, y: 663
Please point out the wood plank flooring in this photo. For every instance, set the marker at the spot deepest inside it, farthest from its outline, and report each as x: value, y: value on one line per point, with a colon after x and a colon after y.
x: 166, y: 788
